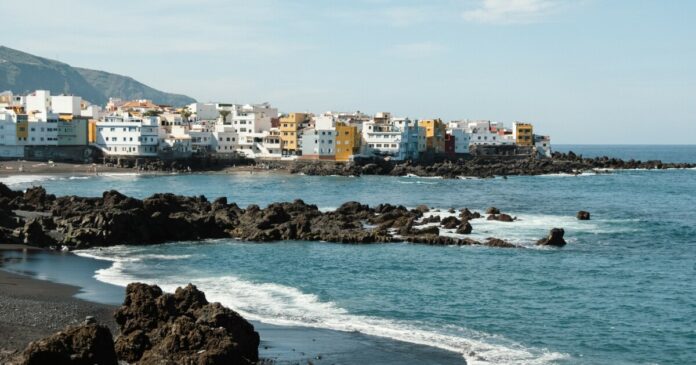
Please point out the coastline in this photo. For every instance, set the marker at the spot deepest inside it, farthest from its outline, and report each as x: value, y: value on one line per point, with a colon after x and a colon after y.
x: 36, y: 308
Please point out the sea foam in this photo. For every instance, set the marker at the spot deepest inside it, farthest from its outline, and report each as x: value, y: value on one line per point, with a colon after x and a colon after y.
x: 288, y: 306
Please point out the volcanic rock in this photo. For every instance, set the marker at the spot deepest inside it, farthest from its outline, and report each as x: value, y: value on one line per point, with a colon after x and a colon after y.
x: 181, y: 328
x: 583, y: 215
x: 86, y: 344
x: 555, y: 238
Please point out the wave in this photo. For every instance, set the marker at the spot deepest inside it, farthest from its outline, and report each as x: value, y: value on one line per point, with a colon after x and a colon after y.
x: 423, y: 177
x: 15, y: 180
x: 288, y: 306
x: 528, y: 228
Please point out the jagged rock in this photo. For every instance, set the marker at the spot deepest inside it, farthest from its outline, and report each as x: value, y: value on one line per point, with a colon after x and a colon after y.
x: 555, y: 238
x: 464, y: 228
x: 181, y: 328
x: 430, y: 219
x: 86, y: 344
x: 35, y: 231
x: 450, y: 222
x: 113, y: 218
x: 466, y: 214
x: 583, y: 215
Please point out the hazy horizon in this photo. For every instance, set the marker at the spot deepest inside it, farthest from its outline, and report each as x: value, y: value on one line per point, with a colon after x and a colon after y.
x: 584, y: 72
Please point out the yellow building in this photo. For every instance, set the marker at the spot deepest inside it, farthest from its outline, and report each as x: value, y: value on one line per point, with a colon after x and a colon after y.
x: 92, y: 131
x: 347, y: 141
x: 289, y: 127
x: 435, y: 131
x: 22, y: 128
x: 523, y: 134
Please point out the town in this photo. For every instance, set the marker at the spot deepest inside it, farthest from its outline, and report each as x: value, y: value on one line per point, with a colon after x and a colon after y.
x: 40, y: 125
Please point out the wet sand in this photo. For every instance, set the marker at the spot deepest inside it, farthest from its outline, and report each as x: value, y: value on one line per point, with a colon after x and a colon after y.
x: 34, y: 308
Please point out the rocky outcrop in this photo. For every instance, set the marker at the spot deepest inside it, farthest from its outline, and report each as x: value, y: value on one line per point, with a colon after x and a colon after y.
x: 450, y: 222
x: 555, y: 238
x: 464, y: 228
x: 502, y: 217
x: 181, y: 328
x: 496, y: 242
x: 38, y: 218
x: 467, y: 215
x: 85, y: 344
x: 583, y: 215
x: 478, y: 166
x: 155, y: 328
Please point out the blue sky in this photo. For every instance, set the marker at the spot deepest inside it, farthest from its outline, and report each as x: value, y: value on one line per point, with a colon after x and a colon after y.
x: 583, y: 71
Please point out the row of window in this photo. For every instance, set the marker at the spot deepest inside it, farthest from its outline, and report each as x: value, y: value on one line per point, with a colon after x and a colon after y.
x: 130, y: 139
x: 132, y: 149
x: 379, y: 145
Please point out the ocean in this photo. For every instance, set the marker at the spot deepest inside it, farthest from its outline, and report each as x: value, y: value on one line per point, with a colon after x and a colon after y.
x: 621, y: 292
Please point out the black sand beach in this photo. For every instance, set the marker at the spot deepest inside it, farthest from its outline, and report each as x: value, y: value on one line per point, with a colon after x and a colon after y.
x: 33, y: 308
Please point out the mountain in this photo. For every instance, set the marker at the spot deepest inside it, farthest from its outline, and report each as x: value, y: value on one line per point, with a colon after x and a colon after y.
x: 22, y: 73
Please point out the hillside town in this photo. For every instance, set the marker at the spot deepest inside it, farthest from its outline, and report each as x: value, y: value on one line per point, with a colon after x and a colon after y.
x: 32, y: 124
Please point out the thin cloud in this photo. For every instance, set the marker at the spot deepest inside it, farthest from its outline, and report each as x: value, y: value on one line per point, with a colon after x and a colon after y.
x: 512, y: 11
x: 417, y: 49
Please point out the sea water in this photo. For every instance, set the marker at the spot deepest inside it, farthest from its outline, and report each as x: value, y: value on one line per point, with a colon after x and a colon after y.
x: 621, y: 292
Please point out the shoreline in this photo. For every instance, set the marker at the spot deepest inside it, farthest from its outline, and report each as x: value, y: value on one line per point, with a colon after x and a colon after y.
x: 448, y: 168
x: 37, y: 308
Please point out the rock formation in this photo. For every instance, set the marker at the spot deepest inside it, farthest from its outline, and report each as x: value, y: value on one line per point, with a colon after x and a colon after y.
x: 555, y: 238
x: 583, y: 215
x: 42, y: 219
x: 181, y: 328
x: 85, y: 344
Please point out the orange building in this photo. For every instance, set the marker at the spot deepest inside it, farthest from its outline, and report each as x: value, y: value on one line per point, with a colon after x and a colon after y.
x: 435, y: 131
x: 347, y: 141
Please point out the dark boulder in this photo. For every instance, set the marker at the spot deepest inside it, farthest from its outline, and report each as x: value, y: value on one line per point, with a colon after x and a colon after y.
x: 35, y: 232
x: 555, y: 238
x: 502, y: 217
x: 464, y: 228
x: 450, y: 222
x: 35, y: 198
x: 86, y: 344
x: 583, y: 215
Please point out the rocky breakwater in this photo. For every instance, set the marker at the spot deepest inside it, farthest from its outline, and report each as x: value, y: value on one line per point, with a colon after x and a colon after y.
x: 155, y: 328
x: 480, y: 166
x: 37, y: 218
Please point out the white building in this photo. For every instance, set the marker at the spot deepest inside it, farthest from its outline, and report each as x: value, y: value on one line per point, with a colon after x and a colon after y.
x: 225, y: 139
x: 483, y: 132
x: 92, y: 111
x: 319, y: 143
x: 124, y: 135
x: 39, y: 100
x: 9, y: 146
x: 251, y: 123
x: 178, y: 142
x: 204, y: 111
x: 66, y: 104
x: 461, y: 139
x: 399, y: 138
x: 543, y: 145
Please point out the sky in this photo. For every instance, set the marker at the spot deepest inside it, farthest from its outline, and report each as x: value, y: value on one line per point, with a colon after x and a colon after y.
x: 582, y: 71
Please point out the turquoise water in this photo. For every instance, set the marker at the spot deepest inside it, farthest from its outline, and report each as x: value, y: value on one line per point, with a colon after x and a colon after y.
x: 621, y: 292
